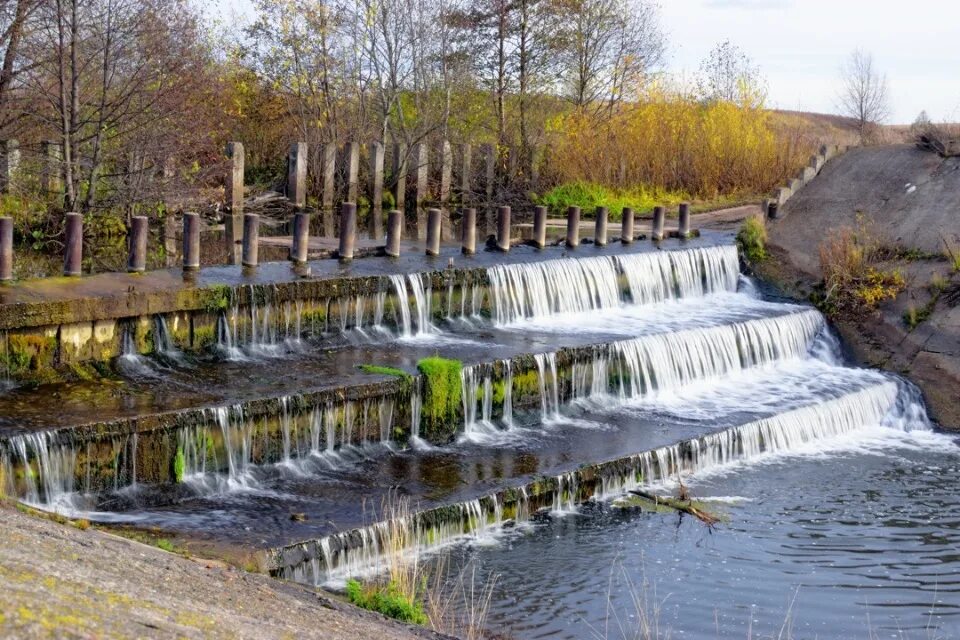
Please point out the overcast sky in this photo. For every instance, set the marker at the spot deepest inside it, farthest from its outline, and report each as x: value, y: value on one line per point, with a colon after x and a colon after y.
x: 800, y: 44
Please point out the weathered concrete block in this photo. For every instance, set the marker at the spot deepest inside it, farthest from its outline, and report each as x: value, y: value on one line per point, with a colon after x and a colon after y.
x: 235, y: 176
x: 400, y: 174
x: 809, y: 173
x: 782, y: 194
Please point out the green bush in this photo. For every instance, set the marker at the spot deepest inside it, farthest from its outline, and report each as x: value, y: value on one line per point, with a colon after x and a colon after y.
x: 441, y: 396
x: 588, y: 196
x: 386, y: 600
x: 752, y: 240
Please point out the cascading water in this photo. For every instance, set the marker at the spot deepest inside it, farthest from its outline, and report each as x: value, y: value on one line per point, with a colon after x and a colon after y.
x: 361, y: 551
x: 539, y: 289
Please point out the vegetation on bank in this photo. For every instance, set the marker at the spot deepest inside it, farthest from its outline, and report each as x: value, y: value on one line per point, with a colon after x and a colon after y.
x: 857, y: 271
x: 752, y: 240
x: 588, y: 196
x: 388, y: 600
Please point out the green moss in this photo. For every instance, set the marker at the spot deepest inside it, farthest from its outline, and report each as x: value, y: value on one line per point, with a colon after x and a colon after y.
x: 179, y: 465
x: 387, y: 600
x: 204, y: 336
x: 376, y: 369
x: 441, y: 396
x: 217, y: 298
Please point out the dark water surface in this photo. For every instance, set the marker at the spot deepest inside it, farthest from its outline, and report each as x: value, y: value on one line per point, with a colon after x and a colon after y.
x: 856, y: 537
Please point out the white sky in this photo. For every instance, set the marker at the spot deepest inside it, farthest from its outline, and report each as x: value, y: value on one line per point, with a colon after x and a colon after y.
x: 800, y: 44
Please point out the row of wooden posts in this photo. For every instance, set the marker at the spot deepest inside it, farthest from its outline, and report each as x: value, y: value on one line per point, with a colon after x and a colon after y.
x: 415, y: 161
x: 137, y: 256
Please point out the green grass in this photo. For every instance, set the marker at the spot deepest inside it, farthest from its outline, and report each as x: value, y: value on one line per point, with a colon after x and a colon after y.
x: 376, y: 369
x: 588, y: 196
x: 165, y: 544
x: 386, y: 600
x: 752, y: 240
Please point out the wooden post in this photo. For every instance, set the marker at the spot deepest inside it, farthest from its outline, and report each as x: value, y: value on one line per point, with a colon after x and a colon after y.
x: 9, y: 164
x: 191, y: 241
x: 50, y: 175
x: 329, y: 169
x: 626, y: 226
x: 600, y: 227
x: 73, y: 246
x: 684, y: 224
x: 434, y: 218
x: 376, y: 181
x: 659, y: 215
x: 468, y: 232
x: 394, y: 230
x: 490, y: 175
x: 137, y: 245
x: 503, y: 228
x: 446, y: 172
x: 466, y: 172
x: 6, y: 249
x: 421, y: 156
x: 352, y: 154
x: 573, y: 227
x: 540, y: 227
x: 233, y: 221
x: 251, y: 239
x: 301, y: 237
x: 348, y: 230
x: 297, y: 175
x: 400, y: 175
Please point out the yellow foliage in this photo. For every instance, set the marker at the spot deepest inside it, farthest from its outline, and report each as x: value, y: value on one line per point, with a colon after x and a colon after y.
x: 670, y: 139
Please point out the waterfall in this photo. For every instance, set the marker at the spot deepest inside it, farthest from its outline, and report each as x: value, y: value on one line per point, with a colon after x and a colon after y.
x: 362, y: 551
x: 508, y: 394
x: 476, y: 383
x: 238, y: 444
x: 403, y: 305
x: 49, y: 469
x: 131, y: 361
x: 549, y: 387
x: 416, y: 405
x: 669, y: 361
x: 664, y: 275
x: 162, y: 342
x: 385, y: 415
x: 539, y: 289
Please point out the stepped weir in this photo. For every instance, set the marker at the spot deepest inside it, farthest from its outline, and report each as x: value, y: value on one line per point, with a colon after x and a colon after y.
x: 494, y: 392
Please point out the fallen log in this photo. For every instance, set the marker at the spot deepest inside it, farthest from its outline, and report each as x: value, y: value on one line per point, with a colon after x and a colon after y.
x: 683, y: 506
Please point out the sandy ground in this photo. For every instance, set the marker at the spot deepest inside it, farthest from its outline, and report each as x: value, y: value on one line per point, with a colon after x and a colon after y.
x: 58, y: 581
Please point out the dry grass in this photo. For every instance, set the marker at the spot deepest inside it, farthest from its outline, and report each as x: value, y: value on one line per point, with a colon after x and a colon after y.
x: 854, y: 279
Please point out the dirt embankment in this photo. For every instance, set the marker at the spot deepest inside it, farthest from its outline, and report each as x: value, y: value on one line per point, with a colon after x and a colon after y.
x: 60, y: 582
x: 911, y: 200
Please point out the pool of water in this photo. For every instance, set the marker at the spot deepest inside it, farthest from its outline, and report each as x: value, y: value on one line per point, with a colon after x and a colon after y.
x: 858, y: 536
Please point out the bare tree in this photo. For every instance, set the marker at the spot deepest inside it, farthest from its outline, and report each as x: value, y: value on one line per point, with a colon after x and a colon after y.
x: 863, y: 94
x: 608, y: 44
x: 729, y: 74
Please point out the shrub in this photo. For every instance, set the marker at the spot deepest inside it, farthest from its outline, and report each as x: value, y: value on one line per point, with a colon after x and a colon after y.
x: 387, y: 600
x: 852, y: 281
x: 752, y: 240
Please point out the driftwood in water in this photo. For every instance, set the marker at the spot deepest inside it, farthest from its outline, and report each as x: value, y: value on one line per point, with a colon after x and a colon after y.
x: 681, y: 505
